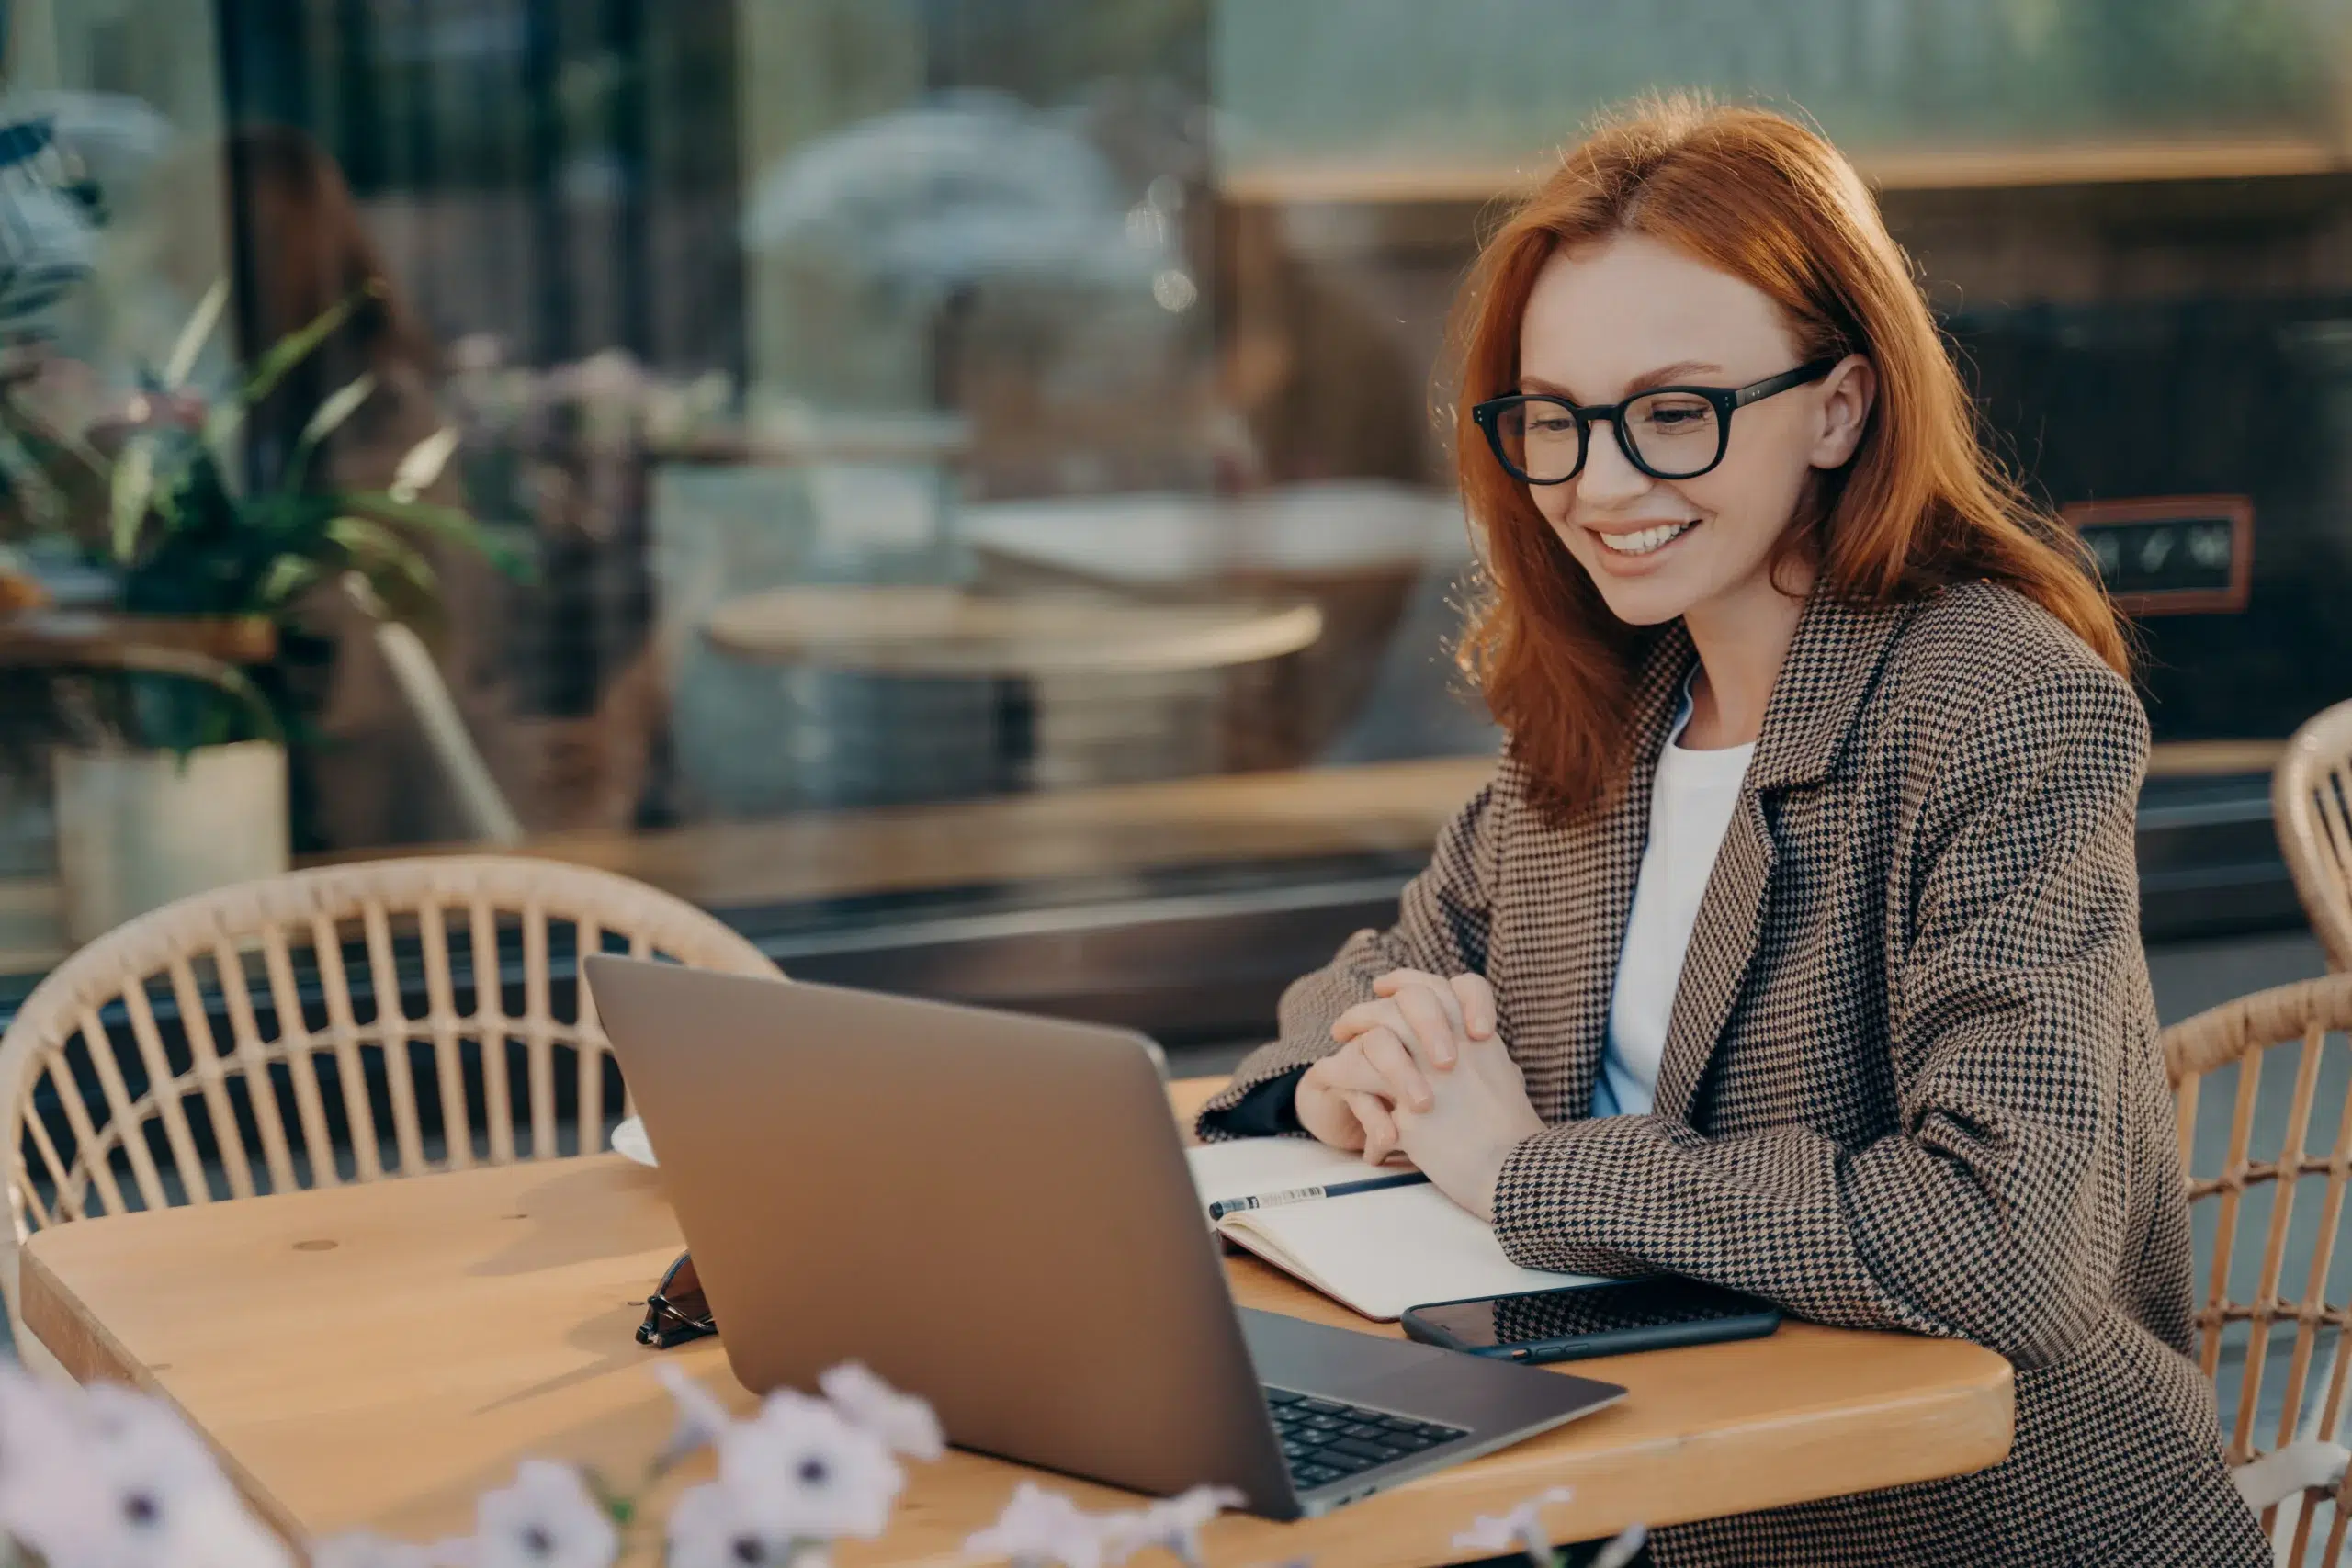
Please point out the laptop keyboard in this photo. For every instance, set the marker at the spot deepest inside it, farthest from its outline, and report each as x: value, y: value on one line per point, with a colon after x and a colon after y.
x: 1324, y: 1440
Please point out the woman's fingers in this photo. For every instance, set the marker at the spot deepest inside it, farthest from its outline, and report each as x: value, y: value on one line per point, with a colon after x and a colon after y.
x: 1477, y: 1000
x: 1388, y: 1013
x: 1322, y: 1107
x: 1379, y: 1127
x: 1436, y: 1024
x: 1400, y: 1073
x: 1467, y: 1000
x: 1400, y: 983
x: 1379, y: 1064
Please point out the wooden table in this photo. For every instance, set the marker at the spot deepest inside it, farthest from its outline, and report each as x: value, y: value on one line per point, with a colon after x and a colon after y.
x: 379, y: 1354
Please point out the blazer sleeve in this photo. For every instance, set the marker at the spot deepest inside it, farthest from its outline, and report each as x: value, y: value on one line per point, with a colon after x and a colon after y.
x: 2017, y: 1005
x: 1441, y: 925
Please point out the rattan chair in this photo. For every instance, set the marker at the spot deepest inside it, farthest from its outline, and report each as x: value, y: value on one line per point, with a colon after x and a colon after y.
x: 2310, y: 803
x: 326, y: 1027
x: 2305, y: 1458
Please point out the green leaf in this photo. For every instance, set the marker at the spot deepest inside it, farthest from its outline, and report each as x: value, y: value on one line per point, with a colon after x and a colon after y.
x: 619, y: 1505
x: 286, y: 576
x: 43, y: 497
x: 372, y: 545
x: 394, y: 572
x: 423, y: 464
x: 298, y: 346
x: 134, y: 491
x: 326, y: 419
x: 447, y: 522
x: 194, y: 335
x: 338, y: 406
x: 279, y: 359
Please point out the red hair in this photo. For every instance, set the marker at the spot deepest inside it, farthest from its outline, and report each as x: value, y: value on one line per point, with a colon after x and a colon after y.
x: 1921, y: 505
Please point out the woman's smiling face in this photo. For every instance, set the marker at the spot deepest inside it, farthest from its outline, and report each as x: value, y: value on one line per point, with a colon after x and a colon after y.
x: 1606, y: 322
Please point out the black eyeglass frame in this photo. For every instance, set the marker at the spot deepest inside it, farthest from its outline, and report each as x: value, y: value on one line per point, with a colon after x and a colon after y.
x: 1724, y: 400
x: 676, y: 1312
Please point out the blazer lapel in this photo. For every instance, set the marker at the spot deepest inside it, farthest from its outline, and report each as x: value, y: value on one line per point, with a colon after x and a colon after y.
x: 1722, y: 942
x: 1581, y: 923
x: 1831, y: 666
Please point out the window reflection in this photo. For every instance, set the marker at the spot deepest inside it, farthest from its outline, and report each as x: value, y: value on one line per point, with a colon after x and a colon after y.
x: 913, y: 404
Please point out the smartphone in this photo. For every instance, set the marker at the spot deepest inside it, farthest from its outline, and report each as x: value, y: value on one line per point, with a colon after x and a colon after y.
x: 1615, y: 1317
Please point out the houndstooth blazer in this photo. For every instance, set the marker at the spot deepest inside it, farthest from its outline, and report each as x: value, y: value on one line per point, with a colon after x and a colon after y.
x: 1911, y: 1080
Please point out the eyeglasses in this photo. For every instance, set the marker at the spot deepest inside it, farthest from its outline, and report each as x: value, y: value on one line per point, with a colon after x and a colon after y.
x: 676, y: 1312
x: 1668, y: 432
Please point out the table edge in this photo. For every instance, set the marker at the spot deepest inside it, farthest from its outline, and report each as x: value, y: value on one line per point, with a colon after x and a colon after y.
x: 53, y: 1315
x: 1967, y: 1421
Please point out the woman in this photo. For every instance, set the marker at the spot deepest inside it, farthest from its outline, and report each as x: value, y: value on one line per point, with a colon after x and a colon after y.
x: 1795, y: 945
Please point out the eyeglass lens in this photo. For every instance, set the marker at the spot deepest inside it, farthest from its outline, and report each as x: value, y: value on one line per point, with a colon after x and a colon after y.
x: 1674, y: 434
x: 677, y: 1311
x: 681, y: 1287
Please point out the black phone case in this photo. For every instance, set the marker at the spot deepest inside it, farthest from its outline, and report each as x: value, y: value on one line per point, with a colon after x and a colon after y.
x: 1612, y: 1342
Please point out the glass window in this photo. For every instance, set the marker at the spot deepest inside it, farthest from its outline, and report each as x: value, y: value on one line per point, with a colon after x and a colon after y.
x: 919, y: 473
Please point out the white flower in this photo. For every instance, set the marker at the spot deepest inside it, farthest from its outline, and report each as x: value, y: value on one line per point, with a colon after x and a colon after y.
x: 906, y: 1424
x: 1039, y: 1526
x: 364, y: 1549
x: 708, y: 1529
x: 545, y: 1520
x: 701, y: 1418
x: 799, y: 1469
x: 1522, y: 1528
x: 124, y: 1483
x: 39, y: 1432
x: 1174, y: 1525
x: 210, y: 1527
x: 1622, y: 1547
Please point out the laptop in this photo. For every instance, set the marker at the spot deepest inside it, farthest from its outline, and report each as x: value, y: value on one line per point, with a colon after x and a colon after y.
x: 994, y: 1211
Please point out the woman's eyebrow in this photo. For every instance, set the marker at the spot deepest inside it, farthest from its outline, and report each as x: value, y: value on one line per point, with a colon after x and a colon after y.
x: 1642, y: 383
x: 1667, y: 373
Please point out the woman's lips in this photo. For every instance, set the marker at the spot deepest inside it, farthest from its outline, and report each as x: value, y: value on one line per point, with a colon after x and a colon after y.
x: 1636, y: 547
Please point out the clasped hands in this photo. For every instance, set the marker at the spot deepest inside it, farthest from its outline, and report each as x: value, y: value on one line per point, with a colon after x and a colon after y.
x: 1421, y: 1069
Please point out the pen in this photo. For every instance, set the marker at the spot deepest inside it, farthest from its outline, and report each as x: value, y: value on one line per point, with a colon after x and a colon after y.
x: 1225, y: 1206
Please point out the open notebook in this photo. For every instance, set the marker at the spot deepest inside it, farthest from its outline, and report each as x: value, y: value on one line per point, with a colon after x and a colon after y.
x: 1378, y: 1252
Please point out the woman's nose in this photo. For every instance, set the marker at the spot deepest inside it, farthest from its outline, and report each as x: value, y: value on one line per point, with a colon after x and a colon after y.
x: 1608, y: 474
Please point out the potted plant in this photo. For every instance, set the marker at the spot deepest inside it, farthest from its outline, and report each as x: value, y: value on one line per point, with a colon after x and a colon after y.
x: 169, y: 718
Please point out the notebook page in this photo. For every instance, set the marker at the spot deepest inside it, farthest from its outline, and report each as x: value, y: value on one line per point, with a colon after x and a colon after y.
x: 1382, y: 1252
x: 1249, y: 1168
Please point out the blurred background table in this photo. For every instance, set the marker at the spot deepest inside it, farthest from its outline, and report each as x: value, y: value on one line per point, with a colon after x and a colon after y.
x: 888, y: 630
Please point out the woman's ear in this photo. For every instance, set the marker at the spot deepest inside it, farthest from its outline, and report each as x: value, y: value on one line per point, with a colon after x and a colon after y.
x: 1846, y: 402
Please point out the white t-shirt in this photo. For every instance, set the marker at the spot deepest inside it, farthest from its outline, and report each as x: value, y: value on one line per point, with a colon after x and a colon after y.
x: 1692, y: 799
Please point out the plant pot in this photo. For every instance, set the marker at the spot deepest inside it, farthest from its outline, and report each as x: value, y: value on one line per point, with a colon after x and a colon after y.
x: 136, y: 830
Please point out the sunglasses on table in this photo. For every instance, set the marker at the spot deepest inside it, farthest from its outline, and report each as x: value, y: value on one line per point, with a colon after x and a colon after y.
x: 1668, y: 433
x: 676, y: 1313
